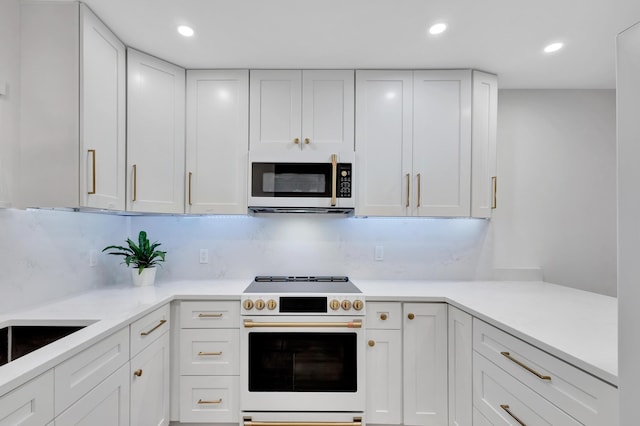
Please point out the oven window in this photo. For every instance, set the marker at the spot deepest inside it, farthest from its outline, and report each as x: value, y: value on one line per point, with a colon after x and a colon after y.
x: 302, y: 362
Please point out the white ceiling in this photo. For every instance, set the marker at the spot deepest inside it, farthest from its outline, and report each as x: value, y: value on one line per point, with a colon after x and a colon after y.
x: 505, y: 37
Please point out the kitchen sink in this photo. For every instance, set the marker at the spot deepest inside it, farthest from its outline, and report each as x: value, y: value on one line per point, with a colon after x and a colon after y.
x: 19, y: 339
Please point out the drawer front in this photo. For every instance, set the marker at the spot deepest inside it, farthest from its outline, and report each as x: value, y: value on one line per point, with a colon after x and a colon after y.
x: 209, y: 399
x: 210, y: 314
x: 384, y: 315
x: 105, y: 405
x: 503, y: 400
x: 148, y: 328
x: 590, y: 400
x: 210, y: 352
x: 81, y: 373
x: 29, y: 405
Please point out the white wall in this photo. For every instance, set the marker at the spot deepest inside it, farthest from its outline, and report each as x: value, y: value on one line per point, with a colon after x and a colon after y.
x: 9, y: 105
x: 557, y: 186
x: 628, y: 84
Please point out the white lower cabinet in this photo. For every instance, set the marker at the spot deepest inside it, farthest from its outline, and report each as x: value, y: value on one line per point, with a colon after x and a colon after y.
x: 105, y: 405
x: 515, y: 379
x: 209, y: 399
x: 503, y: 400
x: 209, y: 364
x: 29, y: 405
x: 384, y: 363
x: 460, y: 367
x: 82, y: 372
x: 149, y: 378
x: 425, y: 364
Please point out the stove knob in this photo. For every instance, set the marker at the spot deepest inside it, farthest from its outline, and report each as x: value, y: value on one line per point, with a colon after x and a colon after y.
x: 259, y: 304
x: 334, y: 304
x: 271, y: 304
x: 358, y: 305
x: 248, y: 304
x: 346, y: 305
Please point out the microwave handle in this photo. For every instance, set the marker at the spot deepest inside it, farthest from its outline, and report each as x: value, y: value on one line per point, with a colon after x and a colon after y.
x: 334, y: 179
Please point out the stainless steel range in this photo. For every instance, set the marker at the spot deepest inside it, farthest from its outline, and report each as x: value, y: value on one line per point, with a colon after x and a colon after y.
x: 302, y: 349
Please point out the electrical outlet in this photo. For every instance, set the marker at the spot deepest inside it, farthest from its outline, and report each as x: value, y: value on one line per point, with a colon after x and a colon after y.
x: 204, y: 255
x: 379, y: 253
x: 93, y: 258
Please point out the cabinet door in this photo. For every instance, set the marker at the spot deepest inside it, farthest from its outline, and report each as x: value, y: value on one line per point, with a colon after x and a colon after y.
x: 384, y: 377
x: 327, y: 111
x: 460, y: 368
x: 102, y: 115
x: 30, y: 404
x: 383, y: 142
x: 217, y: 141
x: 425, y: 364
x: 484, y: 164
x: 155, y: 130
x: 150, y: 384
x: 276, y: 103
x: 105, y: 405
x: 441, y: 179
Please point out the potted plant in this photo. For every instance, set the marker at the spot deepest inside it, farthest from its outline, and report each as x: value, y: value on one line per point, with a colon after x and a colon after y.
x: 144, y: 257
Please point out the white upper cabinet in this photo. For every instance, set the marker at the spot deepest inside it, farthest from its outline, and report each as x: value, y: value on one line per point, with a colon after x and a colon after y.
x: 72, y: 142
x: 296, y: 113
x: 217, y: 141
x: 384, y: 102
x: 156, y: 134
x: 484, y: 168
x: 441, y: 157
x: 102, y: 115
x: 414, y: 142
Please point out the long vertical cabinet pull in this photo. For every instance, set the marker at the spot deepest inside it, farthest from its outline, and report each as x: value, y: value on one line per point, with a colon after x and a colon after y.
x: 419, y: 198
x: 408, y: 190
x: 494, y: 190
x: 334, y: 179
x: 189, y: 189
x: 93, y: 171
x: 135, y: 183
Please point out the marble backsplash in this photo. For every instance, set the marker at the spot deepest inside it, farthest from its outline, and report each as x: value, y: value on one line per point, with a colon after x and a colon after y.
x: 46, y: 254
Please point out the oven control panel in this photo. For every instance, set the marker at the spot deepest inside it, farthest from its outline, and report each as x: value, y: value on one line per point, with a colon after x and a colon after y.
x: 270, y: 304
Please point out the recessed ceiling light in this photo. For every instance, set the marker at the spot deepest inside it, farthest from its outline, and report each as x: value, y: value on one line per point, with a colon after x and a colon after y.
x: 437, y: 28
x: 185, y: 30
x: 553, y: 47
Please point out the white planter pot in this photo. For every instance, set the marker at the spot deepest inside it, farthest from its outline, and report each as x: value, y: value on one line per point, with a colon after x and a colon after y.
x: 146, y: 278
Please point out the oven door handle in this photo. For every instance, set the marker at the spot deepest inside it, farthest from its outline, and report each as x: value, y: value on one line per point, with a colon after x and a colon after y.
x: 350, y: 324
x: 357, y: 421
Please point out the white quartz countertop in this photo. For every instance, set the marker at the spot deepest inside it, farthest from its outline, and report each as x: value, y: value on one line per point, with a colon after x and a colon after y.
x: 576, y: 326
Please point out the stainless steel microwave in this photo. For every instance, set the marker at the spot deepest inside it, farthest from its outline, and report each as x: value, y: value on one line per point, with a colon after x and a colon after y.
x: 301, y: 187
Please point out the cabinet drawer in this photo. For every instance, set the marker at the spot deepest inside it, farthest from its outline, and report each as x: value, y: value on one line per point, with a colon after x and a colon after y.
x: 81, y: 373
x: 29, y: 405
x: 503, y: 400
x: 210, y: 314
x: 209, y: 399
x: 590, y: 400
x: 106, y: 404
x: 148, y: 328
x: 210, y: 352
x: 384, y: 315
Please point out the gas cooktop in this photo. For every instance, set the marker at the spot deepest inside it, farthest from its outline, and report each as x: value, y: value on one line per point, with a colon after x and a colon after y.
x: 311, y: 284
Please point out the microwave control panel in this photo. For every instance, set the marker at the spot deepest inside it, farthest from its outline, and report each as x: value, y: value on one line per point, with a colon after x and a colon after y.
x: 344, y: 180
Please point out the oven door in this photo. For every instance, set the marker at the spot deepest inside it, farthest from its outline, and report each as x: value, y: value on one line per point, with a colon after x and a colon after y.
x: 302, y: 364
